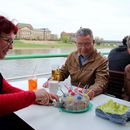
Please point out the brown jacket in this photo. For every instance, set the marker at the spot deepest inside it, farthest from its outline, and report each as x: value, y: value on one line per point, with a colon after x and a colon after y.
x: 93, y: 73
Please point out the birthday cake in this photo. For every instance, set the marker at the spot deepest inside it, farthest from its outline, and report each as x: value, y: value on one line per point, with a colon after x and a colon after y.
x: 76, y: 100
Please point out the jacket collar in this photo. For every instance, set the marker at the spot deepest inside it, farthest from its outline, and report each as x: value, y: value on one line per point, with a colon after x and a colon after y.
x: 89, y: 59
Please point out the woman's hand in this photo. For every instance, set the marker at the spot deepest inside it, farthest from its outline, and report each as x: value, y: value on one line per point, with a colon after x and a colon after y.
x: 44, y: 98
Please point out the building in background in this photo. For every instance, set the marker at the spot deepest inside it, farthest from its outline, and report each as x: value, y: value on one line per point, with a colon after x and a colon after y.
x: 27, y: 32
x: 69, y: 37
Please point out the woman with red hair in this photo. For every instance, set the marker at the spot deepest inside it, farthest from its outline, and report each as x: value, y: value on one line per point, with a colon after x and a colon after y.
x: 11, y: 98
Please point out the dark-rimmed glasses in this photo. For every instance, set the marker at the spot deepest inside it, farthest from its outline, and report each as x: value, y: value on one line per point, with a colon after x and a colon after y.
x: 83, y: 45
x: 7, y: 39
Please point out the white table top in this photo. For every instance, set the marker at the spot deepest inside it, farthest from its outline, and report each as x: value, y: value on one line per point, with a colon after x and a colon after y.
x: 50, y: 118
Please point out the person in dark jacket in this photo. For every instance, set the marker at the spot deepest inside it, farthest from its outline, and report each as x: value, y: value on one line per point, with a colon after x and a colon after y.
x: 119, y: 57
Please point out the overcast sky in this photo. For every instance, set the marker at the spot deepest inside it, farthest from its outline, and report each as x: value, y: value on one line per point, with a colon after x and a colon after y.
x: 108, y: 19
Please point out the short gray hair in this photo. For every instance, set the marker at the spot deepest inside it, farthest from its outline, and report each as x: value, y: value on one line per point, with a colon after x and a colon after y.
x: 84, y: 32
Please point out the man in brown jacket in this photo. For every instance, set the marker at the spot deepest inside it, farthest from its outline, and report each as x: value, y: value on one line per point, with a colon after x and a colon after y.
x: 85, y: 65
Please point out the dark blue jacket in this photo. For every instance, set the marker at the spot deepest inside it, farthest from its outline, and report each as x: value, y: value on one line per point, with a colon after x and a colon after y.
x: 118, y: 58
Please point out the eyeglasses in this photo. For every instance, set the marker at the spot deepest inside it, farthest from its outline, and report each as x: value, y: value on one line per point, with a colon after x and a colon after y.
x: 83, y: 45
x: 8, y: 40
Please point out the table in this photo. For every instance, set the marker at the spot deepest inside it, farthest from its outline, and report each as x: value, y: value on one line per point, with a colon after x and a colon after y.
x: 50, y: 118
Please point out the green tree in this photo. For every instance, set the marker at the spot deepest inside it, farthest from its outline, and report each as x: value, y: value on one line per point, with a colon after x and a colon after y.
x: 65, y: 39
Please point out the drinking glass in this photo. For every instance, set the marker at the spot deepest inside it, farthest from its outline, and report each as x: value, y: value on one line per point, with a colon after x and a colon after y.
x: 32, y: 84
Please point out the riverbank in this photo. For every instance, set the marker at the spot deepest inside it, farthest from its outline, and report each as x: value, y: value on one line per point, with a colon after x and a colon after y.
x: 33, y: 44
x: 23, y: 44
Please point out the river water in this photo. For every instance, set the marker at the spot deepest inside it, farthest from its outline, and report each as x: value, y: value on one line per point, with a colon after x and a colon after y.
x: 23, y: 67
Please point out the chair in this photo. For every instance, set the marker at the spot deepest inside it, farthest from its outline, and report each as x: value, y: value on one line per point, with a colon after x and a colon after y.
x: 116, y: 83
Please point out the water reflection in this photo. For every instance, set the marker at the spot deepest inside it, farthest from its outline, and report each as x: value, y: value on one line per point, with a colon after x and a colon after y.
x: 39, y: 51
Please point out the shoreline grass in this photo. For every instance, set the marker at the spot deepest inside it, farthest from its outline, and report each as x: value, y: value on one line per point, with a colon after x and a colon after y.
x: 28, y: 44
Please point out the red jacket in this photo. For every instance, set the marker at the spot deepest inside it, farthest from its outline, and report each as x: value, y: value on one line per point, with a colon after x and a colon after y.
x: 13, y: 99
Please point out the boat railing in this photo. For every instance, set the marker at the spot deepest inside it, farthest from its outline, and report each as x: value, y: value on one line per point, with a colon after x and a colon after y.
x: 46, y: 75
x: 33, y: 56
x: 14, y: 57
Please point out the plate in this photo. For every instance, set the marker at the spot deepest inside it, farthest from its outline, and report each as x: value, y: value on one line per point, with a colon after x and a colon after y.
x: 78, y: 111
